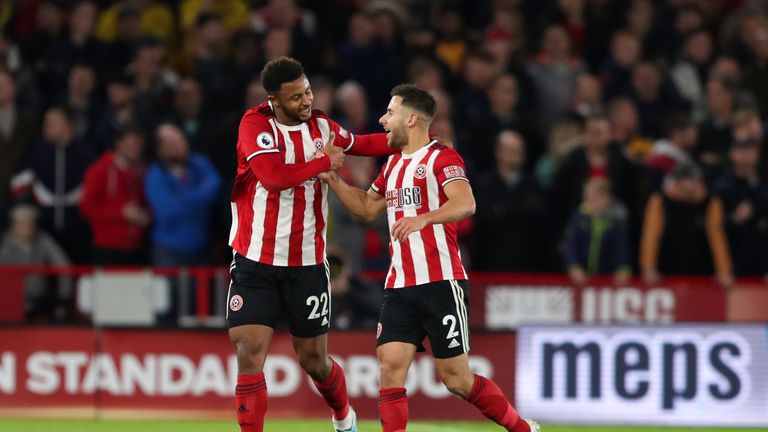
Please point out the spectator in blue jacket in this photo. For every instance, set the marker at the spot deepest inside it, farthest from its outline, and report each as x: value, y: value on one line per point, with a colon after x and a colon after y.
x: 596, y: 237
x: 181, y: 189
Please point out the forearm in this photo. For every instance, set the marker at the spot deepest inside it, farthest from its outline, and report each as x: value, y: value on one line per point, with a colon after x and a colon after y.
x: 277, y: 176
x: 371, y: 145
x: 453, y: 210
x: 354, y: 199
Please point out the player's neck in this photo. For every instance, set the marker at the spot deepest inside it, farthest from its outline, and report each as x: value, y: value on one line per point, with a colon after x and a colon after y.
x: 416, y: 141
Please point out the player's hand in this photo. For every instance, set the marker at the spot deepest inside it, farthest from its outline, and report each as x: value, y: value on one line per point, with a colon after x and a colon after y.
x: 333, y: 152
x: 328, y: 176
x: 406, y: 226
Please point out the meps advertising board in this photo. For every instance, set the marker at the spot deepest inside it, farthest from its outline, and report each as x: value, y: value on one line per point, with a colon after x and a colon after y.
x: 666, y: 375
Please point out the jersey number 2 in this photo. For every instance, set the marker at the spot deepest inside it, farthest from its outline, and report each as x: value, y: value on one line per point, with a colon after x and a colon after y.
x: 450, y: 319
x: 315, y: 302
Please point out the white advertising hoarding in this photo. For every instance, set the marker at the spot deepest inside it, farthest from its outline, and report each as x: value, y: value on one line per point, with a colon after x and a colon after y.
x: 667, y: 375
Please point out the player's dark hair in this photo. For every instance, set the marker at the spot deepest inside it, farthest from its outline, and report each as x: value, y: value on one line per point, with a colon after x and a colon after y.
x: 416, y: 98
x: 278, y: 71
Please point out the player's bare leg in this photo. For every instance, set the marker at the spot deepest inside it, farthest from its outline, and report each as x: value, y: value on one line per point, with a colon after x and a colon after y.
x: 481, y: 392
x: 394, y: 361
x: 251, y: 344
x: 328, y: 377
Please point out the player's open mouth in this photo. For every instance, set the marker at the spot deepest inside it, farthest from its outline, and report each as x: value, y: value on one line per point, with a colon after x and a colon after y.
x: 304, y: 111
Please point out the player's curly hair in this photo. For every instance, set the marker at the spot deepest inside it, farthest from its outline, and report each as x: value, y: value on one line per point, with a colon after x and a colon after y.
x: 278, y: 71
x: 416, y: 98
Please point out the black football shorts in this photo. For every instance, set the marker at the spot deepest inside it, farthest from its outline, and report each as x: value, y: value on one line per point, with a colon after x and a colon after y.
x: 264, y: 294
x: 437, y: 310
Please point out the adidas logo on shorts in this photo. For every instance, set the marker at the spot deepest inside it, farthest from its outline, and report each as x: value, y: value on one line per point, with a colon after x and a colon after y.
x: 454, y: 343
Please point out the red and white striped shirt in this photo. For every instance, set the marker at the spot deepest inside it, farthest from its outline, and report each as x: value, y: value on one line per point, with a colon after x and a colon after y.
x: 287, y: 227
x: 413, y: 185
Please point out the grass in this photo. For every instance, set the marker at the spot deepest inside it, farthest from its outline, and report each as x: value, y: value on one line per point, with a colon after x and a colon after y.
x: 301, y: 426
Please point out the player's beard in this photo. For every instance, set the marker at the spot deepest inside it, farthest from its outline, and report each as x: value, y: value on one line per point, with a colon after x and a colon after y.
x: 296, y: 115
x: 397, y: 138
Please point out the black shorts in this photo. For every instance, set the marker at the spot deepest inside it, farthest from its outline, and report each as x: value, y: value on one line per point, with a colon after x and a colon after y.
x: 437, y: 310
x: 264, y: 294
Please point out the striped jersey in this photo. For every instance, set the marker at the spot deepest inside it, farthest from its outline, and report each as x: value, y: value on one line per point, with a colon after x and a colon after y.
x: 285, y: 228
x: 414, y: 184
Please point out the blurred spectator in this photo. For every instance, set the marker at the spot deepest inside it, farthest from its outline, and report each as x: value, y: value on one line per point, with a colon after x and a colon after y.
x: 25, y: 244
x: 689, y: 74
x: 153, y: 83
x: 597, y: 237
x: 206, y: 61
x: 200, y: 130
x: 503, y: 112
x: 118, y: 114
x: 155, y: 19
x: 450, y: 46
x: 616, y: 73
x: 356, y: 303
x: 18, y: 128
x: 597, y: 158
x: 49, y: 23
x: 554, y: 73
x: 472, y: 101
x: 675, y: 236
x: 352, y: 107
x: 564, y: 136
x: 625, y: 129
x: 674, y: 150
x: 714, y: 134
x: 80, y: 100
x: 127, y: 32
x: 741, y: 206
x: 511, y: 218
x: 588, y: 98
x: 233, y: 13
x: 180, y: 188
x: 757, y: 68
x: 246, y: 62
x: 113, y: 202
x: 654, y: 99
x: 52, y: 175
x: 364, y: 58
x: 75, y: 46
x: 746, y: 126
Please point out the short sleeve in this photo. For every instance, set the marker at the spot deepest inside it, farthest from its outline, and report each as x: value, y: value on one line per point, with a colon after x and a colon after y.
x: 379, y: 184
x: 344, y: 138
x: 448, y: 167
x: 255, y: 137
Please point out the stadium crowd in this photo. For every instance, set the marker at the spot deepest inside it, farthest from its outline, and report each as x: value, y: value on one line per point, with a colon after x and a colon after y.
x: 601, y: 136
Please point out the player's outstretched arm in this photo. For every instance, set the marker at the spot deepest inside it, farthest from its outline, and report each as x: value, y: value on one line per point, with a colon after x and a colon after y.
x: 371, y: 145
x: 460, y: 205
x: 364, y: 206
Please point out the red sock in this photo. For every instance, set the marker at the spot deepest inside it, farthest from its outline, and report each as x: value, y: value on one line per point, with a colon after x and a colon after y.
x: 251, y: 401
x: 489, y: 399
x: 334, y: 391
x: 393, y: 409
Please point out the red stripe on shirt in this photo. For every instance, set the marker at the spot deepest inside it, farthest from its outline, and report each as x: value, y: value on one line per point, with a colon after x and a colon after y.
x: 299, y: 206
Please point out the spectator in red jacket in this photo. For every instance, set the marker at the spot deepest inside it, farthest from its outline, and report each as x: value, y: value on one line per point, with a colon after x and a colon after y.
x: 113, y: 202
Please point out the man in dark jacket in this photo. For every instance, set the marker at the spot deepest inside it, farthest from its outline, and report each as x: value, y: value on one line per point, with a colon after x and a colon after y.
x: 511, y: 217
x: 52, y: 177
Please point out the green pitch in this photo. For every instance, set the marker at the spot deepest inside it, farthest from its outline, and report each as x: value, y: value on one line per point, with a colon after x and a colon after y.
x: 296, y: 426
